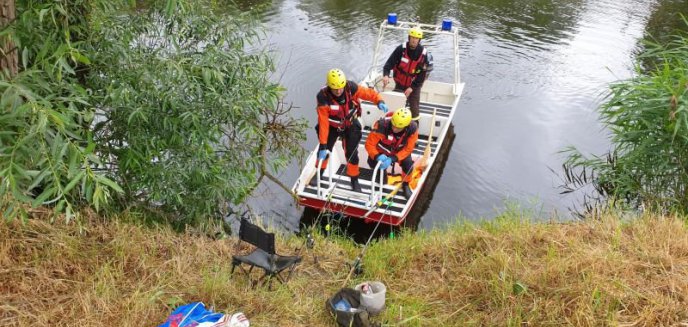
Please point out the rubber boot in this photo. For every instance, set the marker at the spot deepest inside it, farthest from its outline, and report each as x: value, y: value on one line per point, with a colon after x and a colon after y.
x: 355, y: 186
x: 314, y: 179
x: 406, y: 190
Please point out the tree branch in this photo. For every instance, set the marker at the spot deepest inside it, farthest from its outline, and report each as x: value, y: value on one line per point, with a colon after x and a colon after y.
x: 264, y: 172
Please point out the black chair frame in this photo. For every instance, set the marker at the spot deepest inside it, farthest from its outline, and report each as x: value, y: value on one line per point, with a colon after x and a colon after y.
x: 263, y: 256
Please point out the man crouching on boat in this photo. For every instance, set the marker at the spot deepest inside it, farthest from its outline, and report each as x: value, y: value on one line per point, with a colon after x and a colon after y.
x: 338, y: 108
x: 393, y: 139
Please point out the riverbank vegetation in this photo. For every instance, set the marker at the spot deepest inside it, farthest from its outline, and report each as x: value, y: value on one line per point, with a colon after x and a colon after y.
x: 165, y: 106
x: 612, y: 270
x: 158, y: 107
x: 647, y: 116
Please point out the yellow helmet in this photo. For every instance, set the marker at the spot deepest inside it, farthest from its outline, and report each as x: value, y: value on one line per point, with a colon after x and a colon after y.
x: 416, y: 32
x: 336, y: 79
x: 401, y: 118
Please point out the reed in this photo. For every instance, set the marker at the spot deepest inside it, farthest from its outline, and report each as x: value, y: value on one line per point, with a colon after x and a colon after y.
x: 647, y: 117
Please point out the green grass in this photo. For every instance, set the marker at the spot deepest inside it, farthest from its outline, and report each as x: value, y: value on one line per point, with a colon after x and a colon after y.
x: 506, y: 272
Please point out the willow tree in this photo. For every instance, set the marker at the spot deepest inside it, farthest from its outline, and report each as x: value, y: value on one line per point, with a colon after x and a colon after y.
x: 8, y: 52
x: 190, y: 119
x: 47, y: 155
x: 168, y: 106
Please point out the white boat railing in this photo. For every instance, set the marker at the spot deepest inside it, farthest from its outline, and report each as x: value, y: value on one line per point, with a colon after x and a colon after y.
x: 438, y: 95
x: 329, y: 174
x: 426, y: 28
x: 376, y: 196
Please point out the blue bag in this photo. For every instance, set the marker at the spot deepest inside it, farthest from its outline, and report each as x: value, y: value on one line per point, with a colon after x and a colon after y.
x: 190, y: 315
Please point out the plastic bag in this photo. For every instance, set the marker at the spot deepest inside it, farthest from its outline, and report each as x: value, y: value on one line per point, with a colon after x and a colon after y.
x: 345, y: 307
x: 195, y: 314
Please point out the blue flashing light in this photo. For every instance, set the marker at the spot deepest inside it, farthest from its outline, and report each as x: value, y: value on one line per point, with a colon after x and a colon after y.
x: 392, y: 18
x: 446, y: 24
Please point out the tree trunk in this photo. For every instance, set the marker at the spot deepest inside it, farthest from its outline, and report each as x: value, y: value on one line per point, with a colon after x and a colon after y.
x: 8, y: 52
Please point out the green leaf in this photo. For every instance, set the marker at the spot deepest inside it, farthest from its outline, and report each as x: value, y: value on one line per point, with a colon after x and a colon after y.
x: 109, y: 183
x: 44, y: 196
x: 170, y: 7
x: 38, y: 179
x: 518, y: 288
x: 74, y: 181
x: 78, y: 57
x: 25, y: 57
x: 65, y: 66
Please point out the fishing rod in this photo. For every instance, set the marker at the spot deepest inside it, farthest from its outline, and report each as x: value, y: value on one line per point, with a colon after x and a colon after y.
x: 359, y: 258
x: 422, y: 163
x: 328, y: 201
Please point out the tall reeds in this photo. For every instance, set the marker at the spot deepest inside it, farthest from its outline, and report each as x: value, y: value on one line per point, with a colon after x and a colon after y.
x: 647, y: 116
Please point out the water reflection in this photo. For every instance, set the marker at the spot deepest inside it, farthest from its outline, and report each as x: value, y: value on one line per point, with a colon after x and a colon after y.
x: 535, y: 71
x: 666, y: 19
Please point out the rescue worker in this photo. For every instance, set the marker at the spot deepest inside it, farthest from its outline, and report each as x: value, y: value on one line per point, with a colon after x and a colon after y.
x: 411, y: 63
x: 338, y: 108
x: 392, y: 140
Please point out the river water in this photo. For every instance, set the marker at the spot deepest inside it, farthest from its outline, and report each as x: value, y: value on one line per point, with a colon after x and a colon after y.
x: 535, y: 72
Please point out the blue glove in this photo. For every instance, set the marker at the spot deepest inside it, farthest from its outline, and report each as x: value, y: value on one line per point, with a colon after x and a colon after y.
x: 322, y: 154
x: 385, y: 161
x: 385, y: 164
x: 383, y: 106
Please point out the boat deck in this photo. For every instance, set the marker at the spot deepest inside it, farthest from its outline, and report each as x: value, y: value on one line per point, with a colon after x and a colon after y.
x: 439, y: 101
x: 341, y: 184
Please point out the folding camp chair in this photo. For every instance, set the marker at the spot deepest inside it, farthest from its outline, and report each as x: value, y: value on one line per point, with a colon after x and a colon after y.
x: 263, y: 256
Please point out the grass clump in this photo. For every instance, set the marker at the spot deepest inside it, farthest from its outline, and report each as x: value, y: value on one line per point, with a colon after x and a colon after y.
x: 509, y: 272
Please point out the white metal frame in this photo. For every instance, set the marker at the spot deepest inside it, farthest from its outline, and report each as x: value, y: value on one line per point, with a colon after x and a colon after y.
x: 426, y: 28
x: 371, y: 200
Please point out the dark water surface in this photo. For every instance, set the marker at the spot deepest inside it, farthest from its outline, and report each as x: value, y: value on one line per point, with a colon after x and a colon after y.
x: 535, y: 72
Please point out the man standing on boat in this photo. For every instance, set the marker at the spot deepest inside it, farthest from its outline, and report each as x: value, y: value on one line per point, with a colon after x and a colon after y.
x: 392, y: 140
x: 338, y: 108
x: 411, y: 63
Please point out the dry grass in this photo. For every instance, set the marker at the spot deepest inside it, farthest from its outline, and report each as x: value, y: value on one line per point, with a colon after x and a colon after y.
x: 495, y: 274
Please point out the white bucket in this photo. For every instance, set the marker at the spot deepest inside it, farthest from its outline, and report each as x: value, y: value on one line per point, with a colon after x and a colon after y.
x: 373, y: 302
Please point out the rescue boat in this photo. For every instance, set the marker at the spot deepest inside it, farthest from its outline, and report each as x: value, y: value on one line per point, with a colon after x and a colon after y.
x: 379, y: 199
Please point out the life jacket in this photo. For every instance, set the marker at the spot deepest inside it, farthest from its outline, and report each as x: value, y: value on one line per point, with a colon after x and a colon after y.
x: 407, y: 70
x: 392, y: 143
x: 341, y: 115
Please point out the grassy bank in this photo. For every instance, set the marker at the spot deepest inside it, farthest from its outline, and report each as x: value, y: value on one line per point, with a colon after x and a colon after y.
x: 506, y: 272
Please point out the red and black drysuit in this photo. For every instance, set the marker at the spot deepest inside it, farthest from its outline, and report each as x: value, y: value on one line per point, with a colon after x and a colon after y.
x: 398, y: 146
x: 337, y: 117
x: 410, y: 67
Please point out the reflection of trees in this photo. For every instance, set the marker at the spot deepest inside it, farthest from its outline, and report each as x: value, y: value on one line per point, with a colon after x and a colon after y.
x: 256, y: 5
x: 665, y: 20
x: 539, y: 21
x: 430, y: 11
x: 344, y: 16
x: 532, y: 21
